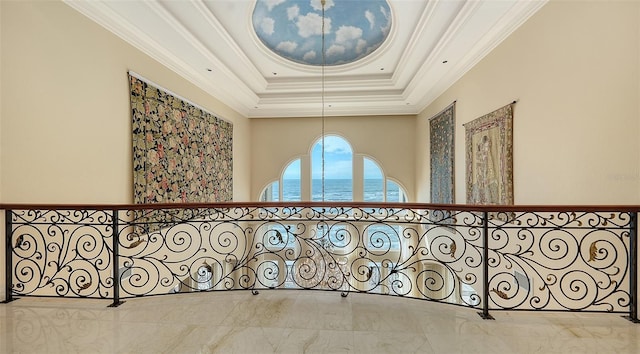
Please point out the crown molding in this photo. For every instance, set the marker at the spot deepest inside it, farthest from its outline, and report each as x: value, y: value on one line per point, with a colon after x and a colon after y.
x: 404, y: 76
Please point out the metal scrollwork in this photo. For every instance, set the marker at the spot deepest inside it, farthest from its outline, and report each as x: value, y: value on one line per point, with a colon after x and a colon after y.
x: 536, y: 260
x: 561, y: 261
x: 62, y: 253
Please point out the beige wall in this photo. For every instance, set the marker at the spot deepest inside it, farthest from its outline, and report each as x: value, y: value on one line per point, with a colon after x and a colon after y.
x: 574, y: 69
x: 277, y: 141
x: 66, y: 125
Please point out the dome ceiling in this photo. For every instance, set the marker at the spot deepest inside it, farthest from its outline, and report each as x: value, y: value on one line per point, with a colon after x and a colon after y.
x: 293, y: 29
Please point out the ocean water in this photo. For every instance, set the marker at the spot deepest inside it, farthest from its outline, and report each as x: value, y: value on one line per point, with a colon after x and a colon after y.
x: 379, y: 237
x: 339, y: 190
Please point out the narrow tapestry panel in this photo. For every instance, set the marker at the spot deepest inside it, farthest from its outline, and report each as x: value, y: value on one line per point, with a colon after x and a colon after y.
x: 181, y: 153
x: 442, y: 155
x: 489, y: 158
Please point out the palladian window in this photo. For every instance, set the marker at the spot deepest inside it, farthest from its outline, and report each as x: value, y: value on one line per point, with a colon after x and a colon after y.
x: 343, y: 181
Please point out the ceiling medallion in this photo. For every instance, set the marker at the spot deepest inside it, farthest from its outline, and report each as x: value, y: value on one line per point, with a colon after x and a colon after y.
x: 293, y: 29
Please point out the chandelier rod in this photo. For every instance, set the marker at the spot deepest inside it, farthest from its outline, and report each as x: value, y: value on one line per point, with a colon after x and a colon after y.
x: 323, y: 2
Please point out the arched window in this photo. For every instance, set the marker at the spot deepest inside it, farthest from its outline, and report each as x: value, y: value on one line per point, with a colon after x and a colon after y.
x: 339, y: 184
x: 395, y: 193
x: 290, y: 185
x: 271, y: 193
x: 375, y: 189
x: 373, y: 183
x: 337, y: 172
x: 291, y: 182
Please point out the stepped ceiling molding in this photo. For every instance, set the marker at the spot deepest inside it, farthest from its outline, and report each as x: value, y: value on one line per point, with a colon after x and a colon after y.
x: 214, y: 44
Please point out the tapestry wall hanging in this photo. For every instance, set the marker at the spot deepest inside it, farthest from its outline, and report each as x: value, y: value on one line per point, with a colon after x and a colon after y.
x: 181, y: 153
x: 489, y: 158
x: 442, y: 135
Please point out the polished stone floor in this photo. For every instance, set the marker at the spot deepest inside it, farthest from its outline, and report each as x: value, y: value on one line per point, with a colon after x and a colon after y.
x: 299, y: 322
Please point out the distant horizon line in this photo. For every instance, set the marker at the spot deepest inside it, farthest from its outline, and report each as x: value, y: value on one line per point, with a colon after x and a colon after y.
x: 319, y: 179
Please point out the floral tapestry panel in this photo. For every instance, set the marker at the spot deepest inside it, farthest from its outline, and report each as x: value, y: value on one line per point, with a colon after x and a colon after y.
x: 442, y: 133
x: 489, y: 158
x: 181, y: 153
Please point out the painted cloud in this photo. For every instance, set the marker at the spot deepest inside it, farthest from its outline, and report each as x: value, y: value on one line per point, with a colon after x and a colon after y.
x: 293, y: 29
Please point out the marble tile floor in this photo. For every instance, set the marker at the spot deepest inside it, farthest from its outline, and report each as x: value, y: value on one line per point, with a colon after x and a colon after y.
x: 284, y: 321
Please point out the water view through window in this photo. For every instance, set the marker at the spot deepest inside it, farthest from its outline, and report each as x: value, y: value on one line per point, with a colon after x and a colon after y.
x: 341, y: 190
x: 337, y: 170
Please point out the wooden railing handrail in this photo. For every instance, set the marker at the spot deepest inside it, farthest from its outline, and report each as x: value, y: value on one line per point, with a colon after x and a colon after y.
x: 427, y: 206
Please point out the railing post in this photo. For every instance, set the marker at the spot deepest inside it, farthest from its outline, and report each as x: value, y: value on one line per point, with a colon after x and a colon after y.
x: 8, y: 257
x: 485, y: 267
x: 115, y: 261
x: 633, y: 268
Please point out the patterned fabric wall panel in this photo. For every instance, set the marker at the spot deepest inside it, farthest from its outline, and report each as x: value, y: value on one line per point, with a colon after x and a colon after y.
x: 489, y: 158
x: 181, y: 153
x: 442, y: 133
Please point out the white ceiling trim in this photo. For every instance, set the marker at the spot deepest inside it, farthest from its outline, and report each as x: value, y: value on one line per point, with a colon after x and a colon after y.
x: 434, y: 56
x: 411, y: 48
x: 403, y: 76
x: 508, y: 23
x: 201, y: 48
x: 255, y: 74
x: 113, y: 22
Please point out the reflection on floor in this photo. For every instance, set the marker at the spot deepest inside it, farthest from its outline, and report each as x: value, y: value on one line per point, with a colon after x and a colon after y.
x: 297, y: 322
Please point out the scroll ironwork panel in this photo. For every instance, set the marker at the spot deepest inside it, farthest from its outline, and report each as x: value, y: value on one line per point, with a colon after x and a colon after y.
x: 560, y: 261
x: 62, y: 253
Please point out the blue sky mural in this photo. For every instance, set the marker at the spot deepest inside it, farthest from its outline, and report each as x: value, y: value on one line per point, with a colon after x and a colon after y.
x: 293, y: 28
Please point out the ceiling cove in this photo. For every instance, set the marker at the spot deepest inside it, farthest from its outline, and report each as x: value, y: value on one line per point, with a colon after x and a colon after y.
x: 414, y: 50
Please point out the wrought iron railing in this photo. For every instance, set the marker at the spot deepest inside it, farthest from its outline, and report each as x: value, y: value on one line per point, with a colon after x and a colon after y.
x: 483, y: 257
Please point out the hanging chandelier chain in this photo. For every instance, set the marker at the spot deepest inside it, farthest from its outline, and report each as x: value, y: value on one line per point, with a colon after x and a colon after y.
x: 323, y: 2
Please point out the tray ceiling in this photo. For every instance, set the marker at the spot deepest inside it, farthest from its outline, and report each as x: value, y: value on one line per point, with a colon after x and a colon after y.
x: 430, y: 45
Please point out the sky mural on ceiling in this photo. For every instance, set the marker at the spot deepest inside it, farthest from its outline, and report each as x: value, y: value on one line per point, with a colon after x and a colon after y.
x: 293, y: 29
